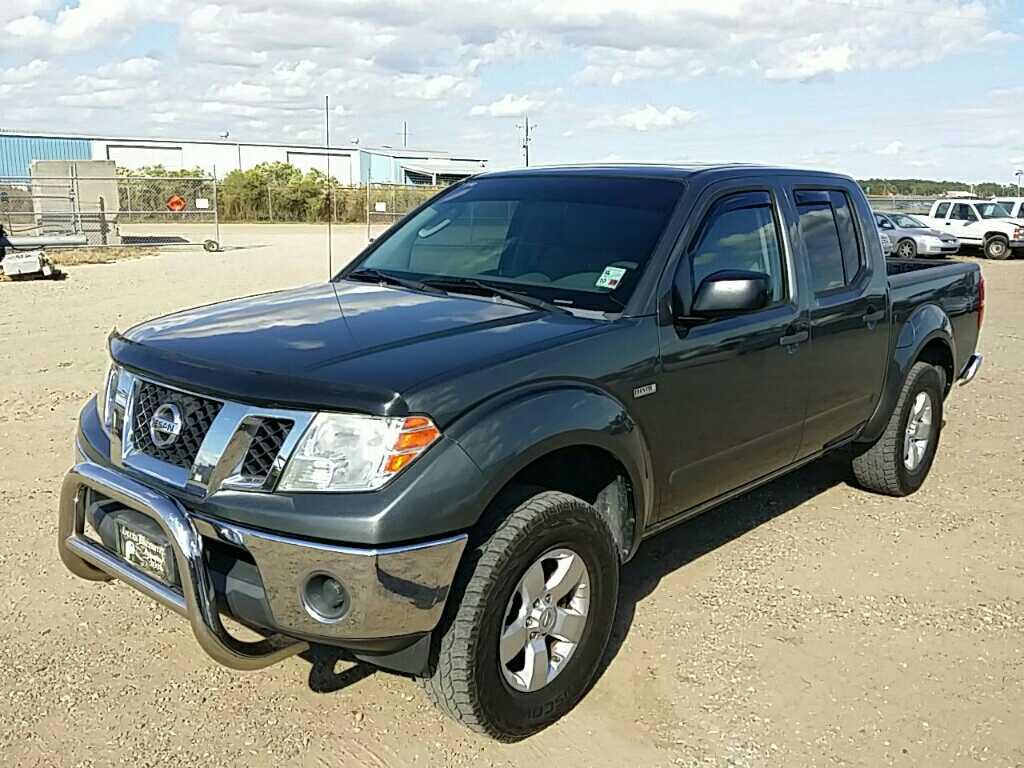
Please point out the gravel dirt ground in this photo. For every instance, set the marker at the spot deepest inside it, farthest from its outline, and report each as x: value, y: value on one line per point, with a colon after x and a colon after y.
x: 806, y: 624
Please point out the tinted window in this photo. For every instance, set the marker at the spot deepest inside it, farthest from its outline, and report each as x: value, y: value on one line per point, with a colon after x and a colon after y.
x: 962, y: 212
x: 821, y: 238
x: 742, y: 238
x: 940, y: 212
x: 847, y: 235
x: 882, y: 222
x: 830, y: 236
x: 571, y: 239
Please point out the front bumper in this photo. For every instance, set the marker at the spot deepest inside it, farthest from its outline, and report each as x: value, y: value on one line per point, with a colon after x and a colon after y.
x: 391, y: 591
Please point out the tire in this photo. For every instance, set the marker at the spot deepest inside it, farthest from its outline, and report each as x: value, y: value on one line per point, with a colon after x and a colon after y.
x: 469, y: 682
x: 997, y: 248
x: 906, y: 249
x: 211, y: 246
x: 883, y: 467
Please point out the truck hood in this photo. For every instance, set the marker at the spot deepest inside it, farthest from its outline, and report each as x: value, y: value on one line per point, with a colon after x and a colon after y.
x: 335, y: 346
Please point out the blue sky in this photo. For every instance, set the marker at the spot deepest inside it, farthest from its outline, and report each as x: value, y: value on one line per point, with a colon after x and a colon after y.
x: 928, y: 88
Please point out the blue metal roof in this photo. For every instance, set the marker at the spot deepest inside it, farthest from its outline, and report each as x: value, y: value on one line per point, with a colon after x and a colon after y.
x: 18, y: 152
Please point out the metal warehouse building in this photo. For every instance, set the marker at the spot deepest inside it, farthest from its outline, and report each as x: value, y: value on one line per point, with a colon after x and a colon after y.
x: 351, y: 164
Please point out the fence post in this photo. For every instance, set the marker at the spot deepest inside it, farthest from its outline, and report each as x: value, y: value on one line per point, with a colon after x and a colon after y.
x: 270, y: 204
x: 216, y: 210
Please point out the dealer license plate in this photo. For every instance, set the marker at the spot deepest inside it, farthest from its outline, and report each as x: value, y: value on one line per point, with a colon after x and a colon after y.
x: 144, y: 552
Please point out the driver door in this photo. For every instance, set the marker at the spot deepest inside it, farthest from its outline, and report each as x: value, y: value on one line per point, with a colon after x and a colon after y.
x: 733, y: 388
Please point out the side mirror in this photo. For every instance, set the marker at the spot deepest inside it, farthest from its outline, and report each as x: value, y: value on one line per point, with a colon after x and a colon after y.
x: 731, y: 292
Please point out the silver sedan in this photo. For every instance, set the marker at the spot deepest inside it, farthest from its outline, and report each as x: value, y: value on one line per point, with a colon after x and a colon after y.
x: 911, y: 237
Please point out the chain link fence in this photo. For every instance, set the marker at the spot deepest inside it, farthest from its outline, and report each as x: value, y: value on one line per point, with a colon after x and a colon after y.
x: 905, y: 204
x: 113, y: 210
x: 376, y: 205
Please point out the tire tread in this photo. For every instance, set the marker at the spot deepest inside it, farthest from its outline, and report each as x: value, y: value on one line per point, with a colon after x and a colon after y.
x: 877, y: 468
x: 451, y: 687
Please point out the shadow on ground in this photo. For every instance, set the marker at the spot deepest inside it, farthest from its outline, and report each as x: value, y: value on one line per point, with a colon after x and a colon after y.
x: 691, y: 540
x: 662, y: 555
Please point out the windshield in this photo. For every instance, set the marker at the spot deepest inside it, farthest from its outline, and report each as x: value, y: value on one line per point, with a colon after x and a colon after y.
x: 576, y: 241
x: 903, y: 221
x: 992, y: 211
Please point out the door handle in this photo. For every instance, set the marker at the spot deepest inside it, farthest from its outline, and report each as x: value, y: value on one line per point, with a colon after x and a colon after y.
x: 793, y: 339
x: 872, y: 317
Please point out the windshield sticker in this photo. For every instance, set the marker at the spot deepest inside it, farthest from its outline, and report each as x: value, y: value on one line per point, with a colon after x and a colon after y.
x: 611, y: 277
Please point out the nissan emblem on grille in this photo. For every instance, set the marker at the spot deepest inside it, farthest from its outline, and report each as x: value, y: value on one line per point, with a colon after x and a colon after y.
x: 165, y: 426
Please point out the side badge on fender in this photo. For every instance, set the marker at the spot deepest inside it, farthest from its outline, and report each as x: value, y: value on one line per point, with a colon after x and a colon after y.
x: 644, y: 391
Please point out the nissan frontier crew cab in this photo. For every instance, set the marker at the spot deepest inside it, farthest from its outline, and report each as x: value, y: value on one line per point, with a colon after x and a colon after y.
x: 440, y: 459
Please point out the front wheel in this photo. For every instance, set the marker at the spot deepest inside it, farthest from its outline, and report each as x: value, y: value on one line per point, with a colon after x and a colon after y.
x: 898, y: 463
x: 997, y: 248
x: 525, y: 640
x: 907, y: 249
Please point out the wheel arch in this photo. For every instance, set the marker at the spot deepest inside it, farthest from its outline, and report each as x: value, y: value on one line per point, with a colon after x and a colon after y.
x: 927, y: 335
x: 573, y: 438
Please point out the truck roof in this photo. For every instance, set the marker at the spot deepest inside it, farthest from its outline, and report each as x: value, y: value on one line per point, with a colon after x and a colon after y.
x: 658, y: 170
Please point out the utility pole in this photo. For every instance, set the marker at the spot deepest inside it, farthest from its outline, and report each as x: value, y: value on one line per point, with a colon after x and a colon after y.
x: 405, y: 134
x: 1018, y: 174
x: 526, y: 127
x: 330, y: 187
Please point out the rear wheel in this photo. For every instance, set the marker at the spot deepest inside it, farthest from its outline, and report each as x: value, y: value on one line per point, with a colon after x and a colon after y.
x: 997, y: 248
x: 898, y: 463
x: 524, y: 641
x: 906, y: 249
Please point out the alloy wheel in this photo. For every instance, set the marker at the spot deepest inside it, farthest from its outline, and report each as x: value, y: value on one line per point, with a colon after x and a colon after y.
x: 544, y: 620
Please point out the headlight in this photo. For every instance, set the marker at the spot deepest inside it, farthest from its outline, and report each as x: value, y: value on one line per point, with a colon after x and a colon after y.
x: 107, y: 398
x: 350, y: 452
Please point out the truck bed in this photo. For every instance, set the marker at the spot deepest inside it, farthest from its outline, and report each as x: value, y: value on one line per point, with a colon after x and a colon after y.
x: 949, y: 285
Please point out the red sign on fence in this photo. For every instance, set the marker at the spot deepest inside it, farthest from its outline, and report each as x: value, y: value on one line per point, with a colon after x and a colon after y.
x: 176, y: 204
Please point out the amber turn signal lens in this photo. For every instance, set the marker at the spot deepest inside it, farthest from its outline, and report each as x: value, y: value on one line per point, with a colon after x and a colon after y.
x: 420, y: 439
x: 416, y: 422
x: 397, y: 461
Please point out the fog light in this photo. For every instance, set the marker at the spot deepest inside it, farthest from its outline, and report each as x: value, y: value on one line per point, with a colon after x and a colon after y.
x: 325, y: 598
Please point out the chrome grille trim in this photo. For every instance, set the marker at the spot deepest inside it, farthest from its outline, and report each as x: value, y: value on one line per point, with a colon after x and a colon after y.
x: 221, y: 459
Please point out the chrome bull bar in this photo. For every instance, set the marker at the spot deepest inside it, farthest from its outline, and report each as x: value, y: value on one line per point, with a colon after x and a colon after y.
x: 197, y: 600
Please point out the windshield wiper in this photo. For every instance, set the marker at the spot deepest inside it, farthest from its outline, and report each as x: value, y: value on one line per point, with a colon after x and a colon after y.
x: 375, y: 275
x: 523, y: 299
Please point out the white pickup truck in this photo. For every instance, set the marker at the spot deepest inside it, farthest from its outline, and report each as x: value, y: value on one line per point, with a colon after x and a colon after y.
x: 983, y: 224
x: 1015, y: 205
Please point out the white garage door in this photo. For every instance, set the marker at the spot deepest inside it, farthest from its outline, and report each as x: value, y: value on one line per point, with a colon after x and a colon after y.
x: 139, y: 156
x: 341, y: 165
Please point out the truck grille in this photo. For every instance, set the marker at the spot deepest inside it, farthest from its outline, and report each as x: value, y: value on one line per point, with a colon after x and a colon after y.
x: 265, y: 447
x: 197, y: 414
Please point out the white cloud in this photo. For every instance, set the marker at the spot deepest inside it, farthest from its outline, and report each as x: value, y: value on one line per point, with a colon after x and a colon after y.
x: 809, y: 64
x: 649, y: 118
x: 891, y: 149
x: 25, y: 74
x: 142, y: 68
x: 432, y: 87
x: 508, y: 105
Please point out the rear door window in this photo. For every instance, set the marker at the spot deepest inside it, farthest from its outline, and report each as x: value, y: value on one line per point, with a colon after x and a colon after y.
x: 830, y: 237
x: 942, y: 210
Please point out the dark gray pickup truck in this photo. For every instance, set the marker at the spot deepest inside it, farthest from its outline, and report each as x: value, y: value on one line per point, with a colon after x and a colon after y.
x: 439, y: 460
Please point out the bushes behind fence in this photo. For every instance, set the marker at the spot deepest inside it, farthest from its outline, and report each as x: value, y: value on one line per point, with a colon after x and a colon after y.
x: 276, y: 192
